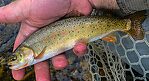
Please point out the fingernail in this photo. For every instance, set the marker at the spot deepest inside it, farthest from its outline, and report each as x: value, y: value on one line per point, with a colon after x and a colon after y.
x: 59, y: 62
x: 80, y: 49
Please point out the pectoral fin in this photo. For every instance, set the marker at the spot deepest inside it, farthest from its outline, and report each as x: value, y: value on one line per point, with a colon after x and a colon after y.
x: 39, y: 56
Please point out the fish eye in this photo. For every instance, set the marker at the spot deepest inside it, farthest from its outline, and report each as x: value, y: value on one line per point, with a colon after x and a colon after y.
x: 13, y: 57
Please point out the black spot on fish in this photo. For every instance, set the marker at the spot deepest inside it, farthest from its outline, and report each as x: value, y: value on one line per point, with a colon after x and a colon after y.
x: 58, y: 34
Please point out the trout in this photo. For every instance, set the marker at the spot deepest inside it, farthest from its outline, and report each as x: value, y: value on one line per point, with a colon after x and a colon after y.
x: 62, y: 35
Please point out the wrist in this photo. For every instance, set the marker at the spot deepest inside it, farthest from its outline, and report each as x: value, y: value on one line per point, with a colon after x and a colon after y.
x: 104, y: 4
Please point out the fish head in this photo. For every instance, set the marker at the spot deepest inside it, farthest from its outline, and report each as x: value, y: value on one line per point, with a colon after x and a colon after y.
x: 21, y: 58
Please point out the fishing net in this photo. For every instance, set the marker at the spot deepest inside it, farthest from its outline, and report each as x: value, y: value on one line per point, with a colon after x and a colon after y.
x: 125, y: 60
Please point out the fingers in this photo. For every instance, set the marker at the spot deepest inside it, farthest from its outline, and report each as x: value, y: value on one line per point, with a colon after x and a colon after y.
x: 18, y: 74
x: 80, y: 49
x: 12, y: 12
x: 42, y: 71
x: 24, y: 32
x: 59, y: 62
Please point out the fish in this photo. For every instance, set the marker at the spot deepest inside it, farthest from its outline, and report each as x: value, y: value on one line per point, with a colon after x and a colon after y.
x: 62, y: 35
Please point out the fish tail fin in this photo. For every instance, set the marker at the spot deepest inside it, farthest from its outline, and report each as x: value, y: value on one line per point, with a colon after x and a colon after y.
x: 136, y: 30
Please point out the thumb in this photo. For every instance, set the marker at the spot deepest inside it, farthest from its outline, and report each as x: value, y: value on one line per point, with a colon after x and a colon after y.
x: 13, y: 12
x: 25, y: 31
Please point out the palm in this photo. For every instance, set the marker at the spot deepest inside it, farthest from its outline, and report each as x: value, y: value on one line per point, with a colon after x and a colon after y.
x: 40, y: 14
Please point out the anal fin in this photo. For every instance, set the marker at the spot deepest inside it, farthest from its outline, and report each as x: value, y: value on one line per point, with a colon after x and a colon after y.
x: 110, y: 38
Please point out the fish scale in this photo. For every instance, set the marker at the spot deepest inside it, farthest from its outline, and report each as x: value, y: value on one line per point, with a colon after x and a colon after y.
x: 62, y: 35
x: 74, y: 29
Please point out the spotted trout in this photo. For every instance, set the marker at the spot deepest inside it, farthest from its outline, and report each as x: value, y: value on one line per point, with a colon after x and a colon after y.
x: 62, y: 35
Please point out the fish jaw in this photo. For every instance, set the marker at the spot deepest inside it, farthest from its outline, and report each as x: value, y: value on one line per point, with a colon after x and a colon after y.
x: 24, y: 58
x: 51, y: 53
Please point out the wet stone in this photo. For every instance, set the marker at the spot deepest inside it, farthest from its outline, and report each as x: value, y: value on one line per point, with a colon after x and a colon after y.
x: 145, y: 63
x: 99, y: 64
x: 129, y: 76
x: 132, y: 56
x: 103, y: 79
x: 92, y: 61
x: 127, y: 42
x: 1, y: 3
x: 142, y: 48
x: 2, y: 27
x: 120, y: 50
x: 96, y: 77
x: 7, y: 1
x: 97, y: 57
x: 101, y: 72
x: 86, y: 57
x: 137, y: 70
x: 94, y: 68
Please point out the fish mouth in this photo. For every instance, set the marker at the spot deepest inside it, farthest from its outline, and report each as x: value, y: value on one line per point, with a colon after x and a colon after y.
x: 19, y: 61
x: 13, y: 57
x: 13, y: 61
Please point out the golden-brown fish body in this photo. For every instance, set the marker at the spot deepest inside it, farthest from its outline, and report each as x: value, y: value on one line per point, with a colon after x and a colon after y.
x: 62, y: 36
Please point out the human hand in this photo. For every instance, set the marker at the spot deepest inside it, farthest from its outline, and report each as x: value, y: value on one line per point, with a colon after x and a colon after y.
x: 34, y: 14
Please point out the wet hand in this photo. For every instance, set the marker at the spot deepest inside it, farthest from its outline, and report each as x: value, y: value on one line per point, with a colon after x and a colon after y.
x: 34, y: 14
